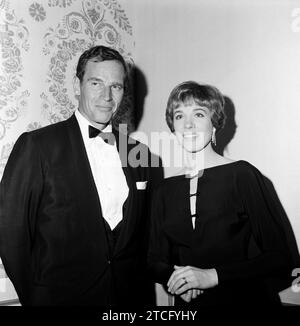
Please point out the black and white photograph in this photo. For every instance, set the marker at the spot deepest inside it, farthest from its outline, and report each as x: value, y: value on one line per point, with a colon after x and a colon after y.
x: 150, y: 156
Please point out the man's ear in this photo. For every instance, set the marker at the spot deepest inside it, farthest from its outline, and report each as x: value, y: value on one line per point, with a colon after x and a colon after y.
x: 76, y: 86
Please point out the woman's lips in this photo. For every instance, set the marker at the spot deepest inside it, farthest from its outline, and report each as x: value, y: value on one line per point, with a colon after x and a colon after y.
x: 190, y: 135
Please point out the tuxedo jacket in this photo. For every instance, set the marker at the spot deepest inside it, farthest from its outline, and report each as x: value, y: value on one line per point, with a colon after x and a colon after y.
x: 53, y: 239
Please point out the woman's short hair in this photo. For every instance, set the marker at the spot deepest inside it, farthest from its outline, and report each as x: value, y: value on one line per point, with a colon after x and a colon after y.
x: 204, y: 95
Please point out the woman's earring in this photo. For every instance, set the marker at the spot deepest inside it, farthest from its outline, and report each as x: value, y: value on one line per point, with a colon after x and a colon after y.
x: 213, y: 137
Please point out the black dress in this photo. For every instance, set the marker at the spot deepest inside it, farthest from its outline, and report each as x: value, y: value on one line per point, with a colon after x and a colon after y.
x: 237, y: 231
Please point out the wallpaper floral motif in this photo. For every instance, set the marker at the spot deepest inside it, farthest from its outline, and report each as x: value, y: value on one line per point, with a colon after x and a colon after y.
x: 41, y: 41
x: 60, y: 3
x: 37, y: 11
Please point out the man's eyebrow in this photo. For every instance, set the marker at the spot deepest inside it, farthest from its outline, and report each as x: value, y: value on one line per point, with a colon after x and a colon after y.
x: 101, y: 80
x: 117, y: 84
x: 94, y: 79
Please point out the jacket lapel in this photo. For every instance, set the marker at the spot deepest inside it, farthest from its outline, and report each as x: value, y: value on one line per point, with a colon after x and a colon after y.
x: 130, y: 207
x: 86, y: 191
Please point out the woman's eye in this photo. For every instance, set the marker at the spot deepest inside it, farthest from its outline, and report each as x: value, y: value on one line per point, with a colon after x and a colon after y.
x: 199, y: 115
x: 178, y: 116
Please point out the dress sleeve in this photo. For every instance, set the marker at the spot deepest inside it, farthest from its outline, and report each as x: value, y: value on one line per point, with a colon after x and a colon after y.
x: 20, y: 190
x: 274, y: 257
x: 159, y: 247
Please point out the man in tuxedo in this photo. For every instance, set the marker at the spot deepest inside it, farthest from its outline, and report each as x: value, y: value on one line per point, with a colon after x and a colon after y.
x: 74, y: 208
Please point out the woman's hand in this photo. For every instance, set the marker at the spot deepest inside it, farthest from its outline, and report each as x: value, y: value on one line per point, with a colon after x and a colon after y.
x: 189, y: 277
x: 190, y: 294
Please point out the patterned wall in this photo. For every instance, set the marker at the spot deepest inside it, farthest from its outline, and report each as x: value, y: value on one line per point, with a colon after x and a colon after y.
x: 41, y: 41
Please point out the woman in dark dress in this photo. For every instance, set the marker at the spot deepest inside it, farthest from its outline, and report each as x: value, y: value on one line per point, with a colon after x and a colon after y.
x: 216, y: 237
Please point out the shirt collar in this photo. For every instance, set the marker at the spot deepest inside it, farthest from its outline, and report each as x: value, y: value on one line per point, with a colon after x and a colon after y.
x: 84, y: 126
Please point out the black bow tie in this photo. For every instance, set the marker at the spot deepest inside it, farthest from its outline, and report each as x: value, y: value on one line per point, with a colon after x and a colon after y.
x: 108, y: 137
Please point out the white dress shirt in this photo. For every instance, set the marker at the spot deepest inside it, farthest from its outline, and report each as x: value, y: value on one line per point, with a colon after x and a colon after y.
x: 107, y: 171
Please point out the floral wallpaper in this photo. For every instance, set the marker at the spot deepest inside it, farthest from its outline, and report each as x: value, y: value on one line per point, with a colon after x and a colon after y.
x: 41, y: 41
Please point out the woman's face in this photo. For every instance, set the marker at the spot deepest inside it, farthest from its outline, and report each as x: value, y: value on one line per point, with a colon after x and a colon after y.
x: 193, y: 126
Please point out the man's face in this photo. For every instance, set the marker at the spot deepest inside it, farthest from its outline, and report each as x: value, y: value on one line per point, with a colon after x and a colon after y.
x: 101, y: 91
